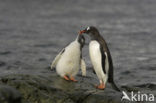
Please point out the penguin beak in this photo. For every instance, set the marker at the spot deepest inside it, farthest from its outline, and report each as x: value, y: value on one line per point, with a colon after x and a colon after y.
x: 81, y: 32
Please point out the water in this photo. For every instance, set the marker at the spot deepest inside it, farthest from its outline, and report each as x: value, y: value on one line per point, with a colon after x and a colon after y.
x: 32, y: 33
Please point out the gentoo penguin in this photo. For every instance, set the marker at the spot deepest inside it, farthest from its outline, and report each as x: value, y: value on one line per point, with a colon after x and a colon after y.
x: 69, y: 60
x: 100, y: 57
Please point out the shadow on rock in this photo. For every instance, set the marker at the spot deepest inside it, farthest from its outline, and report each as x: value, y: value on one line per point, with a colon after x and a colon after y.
x: 9, y: 95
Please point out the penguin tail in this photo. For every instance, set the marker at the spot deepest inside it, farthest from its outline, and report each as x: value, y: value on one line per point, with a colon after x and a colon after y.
x: 114, y: 86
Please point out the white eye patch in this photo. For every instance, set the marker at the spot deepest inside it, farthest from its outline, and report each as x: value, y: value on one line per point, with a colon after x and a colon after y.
x: 88, y: 28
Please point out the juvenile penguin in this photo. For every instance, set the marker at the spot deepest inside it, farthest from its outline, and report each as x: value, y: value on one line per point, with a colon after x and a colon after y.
x: 69, y: 60
x: 100, y: 57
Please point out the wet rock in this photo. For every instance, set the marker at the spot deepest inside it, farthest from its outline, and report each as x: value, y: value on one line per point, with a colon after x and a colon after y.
x: 9, y: 95
x: 106, y: 96
x: 53, y: 89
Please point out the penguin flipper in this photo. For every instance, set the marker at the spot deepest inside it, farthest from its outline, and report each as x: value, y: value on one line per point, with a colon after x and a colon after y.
x: 110, y: 70
x: 103, y: 59
x: 83, y: 67
x: 53, y: 65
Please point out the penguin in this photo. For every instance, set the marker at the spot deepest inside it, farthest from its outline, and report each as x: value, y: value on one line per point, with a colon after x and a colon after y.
x: 100, y: 57
x: 69, y: 60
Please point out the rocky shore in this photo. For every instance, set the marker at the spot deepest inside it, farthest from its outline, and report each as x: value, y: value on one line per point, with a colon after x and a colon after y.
x: 53, y: 89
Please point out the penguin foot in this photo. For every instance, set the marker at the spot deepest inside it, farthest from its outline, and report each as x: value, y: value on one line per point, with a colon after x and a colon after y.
x: 73, y: 79
x: 101, y: 86
x: 66, y: 78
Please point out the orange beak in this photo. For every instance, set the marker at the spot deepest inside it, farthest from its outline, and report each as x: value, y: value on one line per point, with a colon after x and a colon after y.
x: 81, y: 32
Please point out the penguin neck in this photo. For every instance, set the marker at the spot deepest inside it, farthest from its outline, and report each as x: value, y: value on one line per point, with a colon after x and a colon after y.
x: 78, y: 40
x: 95, y: 36
x: 99, y: 39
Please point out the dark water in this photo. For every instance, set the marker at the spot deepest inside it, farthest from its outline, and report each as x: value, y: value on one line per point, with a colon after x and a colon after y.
x: 33, y: 31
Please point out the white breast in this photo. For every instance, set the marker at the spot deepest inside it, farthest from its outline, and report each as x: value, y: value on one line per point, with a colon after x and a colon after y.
x: 70, y: 60
x: 95, y: 56
x: 96, y: 59
x: 72, y: 53
x: 94, y: 50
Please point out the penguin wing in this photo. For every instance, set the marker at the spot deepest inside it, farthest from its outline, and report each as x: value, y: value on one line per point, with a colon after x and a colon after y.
x: 107, y: 53
x: 53, y: 65
x: 83, y: 67
x: 103, y: 57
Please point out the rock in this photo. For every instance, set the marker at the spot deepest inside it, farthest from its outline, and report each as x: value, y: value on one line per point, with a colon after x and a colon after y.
x: 9, y: 95
x: 106, y: 96
x: 54, y: 89
x: 51, y: 88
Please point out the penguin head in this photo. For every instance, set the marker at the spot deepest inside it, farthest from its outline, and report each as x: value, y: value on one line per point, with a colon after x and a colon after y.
x: 91, y: 31
x: 81, y: 40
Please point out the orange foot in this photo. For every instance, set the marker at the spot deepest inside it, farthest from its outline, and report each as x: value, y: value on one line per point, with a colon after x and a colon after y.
x: 101, y: 86
x: 66, y: 78
x: 73, y: 79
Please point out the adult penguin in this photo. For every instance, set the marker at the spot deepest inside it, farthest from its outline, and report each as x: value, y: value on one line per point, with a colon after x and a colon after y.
x: 100, y: 57
x: 69, y: 60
